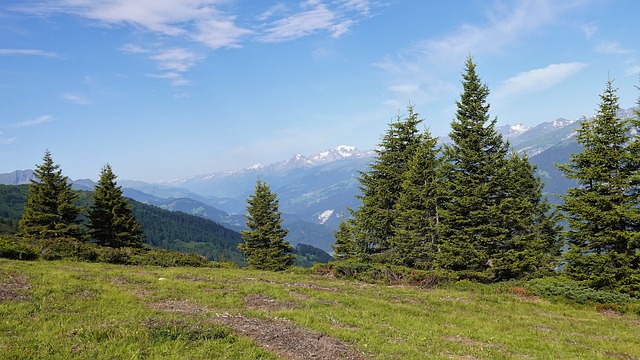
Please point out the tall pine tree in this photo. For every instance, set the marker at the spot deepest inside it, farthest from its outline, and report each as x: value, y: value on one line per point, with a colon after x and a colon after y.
x: 603, y: 212
x: 264, y: 245
x: 374, y: 220
x: 50, y: 211
x: 111, y: 220
x: 415, y: 241
x: 472, y: 193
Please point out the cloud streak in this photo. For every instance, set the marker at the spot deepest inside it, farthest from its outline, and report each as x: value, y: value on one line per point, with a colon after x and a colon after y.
x: 537, y: 79
x: 33, y: 122
x: 29, y: 52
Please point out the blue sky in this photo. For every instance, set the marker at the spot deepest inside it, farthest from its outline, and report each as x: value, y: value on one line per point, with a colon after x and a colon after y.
x: 162, y: 89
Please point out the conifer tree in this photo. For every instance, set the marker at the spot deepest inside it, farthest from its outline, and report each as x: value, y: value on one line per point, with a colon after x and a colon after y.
x: 50, y: 211
x: 470, y: 169
x: 531, y: 244
x: 603, y: 212
x: 345, y: 245
x: 111, y: 220
x: 415, y: 240
x: 380, y: 187
x: 264, y: 245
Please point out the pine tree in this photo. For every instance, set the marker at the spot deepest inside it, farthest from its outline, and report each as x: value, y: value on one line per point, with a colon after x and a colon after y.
x: 603, y: 212
x: 415, y: 241
x: 264, y: 246
x: 531, y: 244
x: 345, y: 246
x: 470, y: 169
x: 380, y: 187
x: 111, y: 220
x: 50, y: 211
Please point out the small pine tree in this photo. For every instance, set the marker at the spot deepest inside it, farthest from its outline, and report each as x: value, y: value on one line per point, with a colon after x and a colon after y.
x: 111, y: 220
x: 264, y: 245
x: 374, y: 220
x: 603, y: 212
x: 416, y: 240
x: 50, y: 211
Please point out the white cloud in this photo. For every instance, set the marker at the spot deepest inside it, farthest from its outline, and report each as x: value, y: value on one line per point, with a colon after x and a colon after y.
x: 632, y: 70
x: 5, y: 140
x: 76, y: 99
x: 175, y: 78
x: 219, y: 33
x: 537, y: 79
x: 612, y: 48
x: 300, y: 24
x: 33, y: 122
x: 32, y: 52
x: 176, y: 59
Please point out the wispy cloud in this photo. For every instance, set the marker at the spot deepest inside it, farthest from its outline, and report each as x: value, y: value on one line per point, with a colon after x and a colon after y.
x: 30, y: 52
x: 76, y: 99
x: 504, y: 26
x: 175, y: 78
x: 537, y: 79
x: 205, y: 22
x: 172, y: 62
x: 612, y: 48
x: 33, y: 122
x: 314, y: 17
x: 6, y: 140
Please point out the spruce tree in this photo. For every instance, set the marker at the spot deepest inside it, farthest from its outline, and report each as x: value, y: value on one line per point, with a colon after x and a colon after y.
x: 111, y: 220
x: 345, y: 245
x: 470, y: 169
x: 380, y: 187
x: 531, y: 244
x: 603, y: 212
x: 264, y: 245
x: 415, y: 240
x: 50, y: 211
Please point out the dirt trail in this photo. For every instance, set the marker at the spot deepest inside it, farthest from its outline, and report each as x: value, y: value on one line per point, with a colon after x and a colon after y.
x: 290, y: 341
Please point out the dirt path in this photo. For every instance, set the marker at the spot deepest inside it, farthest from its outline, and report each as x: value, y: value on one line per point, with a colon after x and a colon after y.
x: 290, y: 341
x: 281, y: 337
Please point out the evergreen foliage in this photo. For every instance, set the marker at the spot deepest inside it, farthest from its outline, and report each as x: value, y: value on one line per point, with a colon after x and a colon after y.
x: 603, y: 212
x: 12, y: 199
x: 531, y: 245
x: 381, y: 186
x: 415, y: 240
x: 50, y: 211
x: 345, y: 244
x: 471, y: 179
x: 111, y: 220
x: 264, y: 245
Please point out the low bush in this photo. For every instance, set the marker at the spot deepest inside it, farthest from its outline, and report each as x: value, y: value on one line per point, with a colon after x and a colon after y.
x: 386, y: 274
x: 13, y: 248
x: 564, y: 289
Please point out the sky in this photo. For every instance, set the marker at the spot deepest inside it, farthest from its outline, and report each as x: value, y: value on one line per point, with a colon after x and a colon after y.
x: 165, y: 89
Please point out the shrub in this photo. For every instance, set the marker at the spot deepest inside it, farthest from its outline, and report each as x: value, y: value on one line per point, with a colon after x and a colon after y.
x: 386, y: 274
x: 13, y: 248
x: 66, y: 248
x: 560, y: 288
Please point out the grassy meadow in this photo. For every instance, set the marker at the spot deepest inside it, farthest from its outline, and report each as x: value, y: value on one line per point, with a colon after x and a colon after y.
x: 66, y: 310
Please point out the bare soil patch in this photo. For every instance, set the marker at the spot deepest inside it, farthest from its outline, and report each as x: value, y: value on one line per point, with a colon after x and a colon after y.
x: 263, y: 302
x: 15, y: 288
x: 290, y: 341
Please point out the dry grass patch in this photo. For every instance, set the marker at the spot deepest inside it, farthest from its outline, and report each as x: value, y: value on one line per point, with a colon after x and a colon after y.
x: 15, y: 288
x: 180, y: 306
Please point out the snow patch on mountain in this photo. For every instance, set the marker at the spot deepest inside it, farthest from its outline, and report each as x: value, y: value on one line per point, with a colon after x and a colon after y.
x: 325, y: 215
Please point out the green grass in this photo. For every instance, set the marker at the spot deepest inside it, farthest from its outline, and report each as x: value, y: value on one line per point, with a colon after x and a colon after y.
x: 66, y: 310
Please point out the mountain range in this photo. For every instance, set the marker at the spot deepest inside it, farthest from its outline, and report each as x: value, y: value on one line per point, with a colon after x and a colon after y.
x: 316, y: 190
